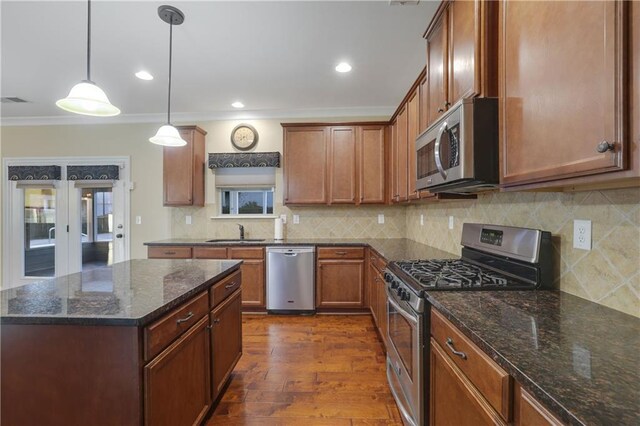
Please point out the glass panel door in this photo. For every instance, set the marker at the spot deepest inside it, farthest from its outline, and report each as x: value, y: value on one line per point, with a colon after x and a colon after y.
x: 40, y: 232
x: 96, y: 227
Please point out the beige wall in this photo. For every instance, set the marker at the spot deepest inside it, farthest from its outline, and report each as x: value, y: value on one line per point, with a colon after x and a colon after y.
x: 609, y: 274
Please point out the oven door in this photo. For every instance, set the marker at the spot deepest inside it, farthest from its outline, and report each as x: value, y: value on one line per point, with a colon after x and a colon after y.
x: 438, y: 152
x: 405, y: 360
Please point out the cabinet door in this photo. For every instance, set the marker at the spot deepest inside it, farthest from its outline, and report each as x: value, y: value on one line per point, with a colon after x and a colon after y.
x: 305, y: 165
x: 464, y: 55
x: 553, y: 122
x: 454, y: 400
x: 178, y: 172
x: 340, y: 283
x: 437, y: 69
x: 226, y: 341
x: 413, y: 125
x: 371, y: 166
x: 382, y: 308
x: 424, y: 92
x: 253, y: 283
x: 373, y: 293
x: 177, y: 386
x: 393, y: 162
x: 529, y: 412
x: 342, y: 165
x: 402, y: 161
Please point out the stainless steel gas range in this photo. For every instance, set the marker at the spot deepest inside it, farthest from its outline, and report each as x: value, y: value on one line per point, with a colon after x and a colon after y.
x: 493, y: 258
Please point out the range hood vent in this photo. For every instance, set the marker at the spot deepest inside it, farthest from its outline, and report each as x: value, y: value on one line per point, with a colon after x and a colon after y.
x: 254, y: 159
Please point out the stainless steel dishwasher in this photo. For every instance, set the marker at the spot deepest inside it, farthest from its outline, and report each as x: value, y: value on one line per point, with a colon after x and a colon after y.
x: 290, y: 279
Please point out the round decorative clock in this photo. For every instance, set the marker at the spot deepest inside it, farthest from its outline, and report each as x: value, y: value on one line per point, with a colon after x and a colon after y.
x: 244, y: 137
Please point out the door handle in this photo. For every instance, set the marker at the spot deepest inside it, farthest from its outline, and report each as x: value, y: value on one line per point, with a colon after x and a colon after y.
x: 119, y: 235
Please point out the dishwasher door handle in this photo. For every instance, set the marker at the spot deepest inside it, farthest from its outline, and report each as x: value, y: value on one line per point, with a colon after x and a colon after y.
x: 291, y: 254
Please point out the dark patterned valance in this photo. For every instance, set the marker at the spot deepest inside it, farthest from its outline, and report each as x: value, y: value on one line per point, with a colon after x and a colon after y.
x: 254, y: 159
x: 34, y: 173
x: 93, y: 172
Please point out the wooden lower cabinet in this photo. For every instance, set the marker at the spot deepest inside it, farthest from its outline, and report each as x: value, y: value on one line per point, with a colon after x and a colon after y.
x: 177, y: 382
x: 340, y: 283
x: 378, y: 295
x: 382, y: 308
x: 253, y: 284
x: 226, y: 340
x: 529, y: 412
x: 454, y: 400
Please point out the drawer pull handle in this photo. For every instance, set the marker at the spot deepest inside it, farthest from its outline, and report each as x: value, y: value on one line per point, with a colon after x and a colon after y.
x: 232, y: 285
x: 169, y: 252
x: 453, y: 349
x: 185, y: 319
x: 216, y: 320
x: 341, y: 253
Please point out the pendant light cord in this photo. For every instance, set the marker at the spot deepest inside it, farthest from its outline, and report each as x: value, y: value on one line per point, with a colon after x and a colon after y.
x: 88, y: 40
x: 170, y: 56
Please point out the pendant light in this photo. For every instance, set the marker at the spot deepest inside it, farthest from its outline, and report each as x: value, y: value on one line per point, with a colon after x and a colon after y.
x: 86, y: 97
x: 168, y: 135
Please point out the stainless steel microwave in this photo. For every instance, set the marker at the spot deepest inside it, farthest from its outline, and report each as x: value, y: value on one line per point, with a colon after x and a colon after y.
x: 459, y: 152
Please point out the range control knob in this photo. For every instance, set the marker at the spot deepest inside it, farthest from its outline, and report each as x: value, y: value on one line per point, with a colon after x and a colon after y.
x: 399, y: 292
x: 405, y: 296
x: 394, y: 284
x: 387, y: 277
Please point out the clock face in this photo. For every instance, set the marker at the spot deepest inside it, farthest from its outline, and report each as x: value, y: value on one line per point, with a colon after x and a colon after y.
x: 244, y: 137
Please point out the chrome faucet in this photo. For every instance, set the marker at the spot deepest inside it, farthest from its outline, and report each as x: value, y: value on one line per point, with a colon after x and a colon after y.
x: 241, y: 231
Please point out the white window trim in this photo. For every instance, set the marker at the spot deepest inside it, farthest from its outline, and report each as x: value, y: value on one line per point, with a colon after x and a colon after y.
x: 234, y: 203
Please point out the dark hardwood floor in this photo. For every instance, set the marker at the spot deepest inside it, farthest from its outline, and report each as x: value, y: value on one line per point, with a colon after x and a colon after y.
x: 298, y: 370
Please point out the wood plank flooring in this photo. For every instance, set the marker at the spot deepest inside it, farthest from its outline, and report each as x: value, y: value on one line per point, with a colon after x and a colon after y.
x: 315, y: 370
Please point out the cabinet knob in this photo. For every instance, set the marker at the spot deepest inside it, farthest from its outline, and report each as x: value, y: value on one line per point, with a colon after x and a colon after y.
x: 605, y: 146
x: 440, y: 110
x: 447, y: 104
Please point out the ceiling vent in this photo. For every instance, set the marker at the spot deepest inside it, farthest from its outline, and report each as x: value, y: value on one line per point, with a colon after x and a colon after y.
x: 403, y: 2
x: 12, y: 100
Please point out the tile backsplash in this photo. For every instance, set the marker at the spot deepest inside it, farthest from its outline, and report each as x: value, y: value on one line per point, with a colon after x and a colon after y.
x: 609, y: 274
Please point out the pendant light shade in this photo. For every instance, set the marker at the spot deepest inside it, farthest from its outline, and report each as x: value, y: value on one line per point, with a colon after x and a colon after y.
x: 168, y: 135
x: 86, y: 97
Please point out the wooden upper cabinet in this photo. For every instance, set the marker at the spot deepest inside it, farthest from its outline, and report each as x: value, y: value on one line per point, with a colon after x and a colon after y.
x: 183, y: 169
x: 305, y: 165
x: 371, y: 164
x: 437, y: 68
x: 424, y: 92
x: 342, y: 165
x: 560, y: 106
x: 401, y: 155
x: 413, y: 130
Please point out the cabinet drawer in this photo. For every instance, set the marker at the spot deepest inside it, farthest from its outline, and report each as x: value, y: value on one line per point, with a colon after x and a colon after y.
x: 246, y: 252
x: 169, y: 252
x: 209, y: 252
x: 220, y: 291
x: 378, y: 262
x: 340, y: 252
x: 162, y: 332
x: 492, y: 381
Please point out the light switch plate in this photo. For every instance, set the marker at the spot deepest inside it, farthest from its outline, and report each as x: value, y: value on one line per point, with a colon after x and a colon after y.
x: 284, y: 218
x: 296, y: 219
x: 187, y: 219
x: 450, y: 222
x: 582, y: 234
x: 138, y: 220
x: 421, y: 220
x: 380, y: 218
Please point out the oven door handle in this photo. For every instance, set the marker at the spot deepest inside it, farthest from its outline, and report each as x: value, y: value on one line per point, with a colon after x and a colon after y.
x: 402, y: 312
x: 443, y: 129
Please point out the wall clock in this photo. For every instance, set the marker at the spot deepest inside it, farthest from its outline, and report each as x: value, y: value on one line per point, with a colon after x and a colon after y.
x: 244, y: 137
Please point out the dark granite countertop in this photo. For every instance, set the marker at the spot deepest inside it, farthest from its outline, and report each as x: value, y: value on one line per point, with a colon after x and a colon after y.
x: 391, y: 249
x: 135, y: 292
x: 581, y: 359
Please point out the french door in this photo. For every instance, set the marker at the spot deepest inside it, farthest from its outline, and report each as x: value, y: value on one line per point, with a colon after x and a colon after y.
x: 57, y: 227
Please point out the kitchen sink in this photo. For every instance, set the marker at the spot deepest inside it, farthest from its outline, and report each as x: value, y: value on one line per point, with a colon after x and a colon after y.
x: 227, y: 240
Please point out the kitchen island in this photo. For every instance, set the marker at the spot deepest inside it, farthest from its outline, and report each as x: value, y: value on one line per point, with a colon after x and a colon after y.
x: 137, y: 342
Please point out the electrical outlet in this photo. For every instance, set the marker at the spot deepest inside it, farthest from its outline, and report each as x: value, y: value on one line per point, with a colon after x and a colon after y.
x: 582, y: 234
x: 380, y: 219
x: 138, y: 220
x: 421, y: 220
x: 284, y: 218
x: 187, y: 219
x: 450, y: 222
x: 296, y: 219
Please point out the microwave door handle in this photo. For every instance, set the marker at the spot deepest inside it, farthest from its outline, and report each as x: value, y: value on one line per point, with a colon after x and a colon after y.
x: 438, y: 159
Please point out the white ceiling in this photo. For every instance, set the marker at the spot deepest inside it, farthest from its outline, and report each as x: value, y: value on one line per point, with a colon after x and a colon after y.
x: 277, y: 57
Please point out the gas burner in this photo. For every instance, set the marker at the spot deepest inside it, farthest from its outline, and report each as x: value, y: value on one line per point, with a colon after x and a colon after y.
x: 453, y: 274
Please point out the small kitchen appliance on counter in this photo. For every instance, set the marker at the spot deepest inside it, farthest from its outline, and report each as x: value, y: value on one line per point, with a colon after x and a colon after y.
x: 493, y: 258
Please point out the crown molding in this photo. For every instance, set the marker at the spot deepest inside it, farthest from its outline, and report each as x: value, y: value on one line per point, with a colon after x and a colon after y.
x: 177, y: 118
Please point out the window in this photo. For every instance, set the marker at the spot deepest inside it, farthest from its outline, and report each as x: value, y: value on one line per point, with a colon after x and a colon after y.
x: 246, y: 201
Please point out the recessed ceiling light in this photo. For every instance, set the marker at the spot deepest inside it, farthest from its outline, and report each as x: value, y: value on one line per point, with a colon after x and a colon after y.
x: 237, y: 104
x: 143, y: 75
x: 343, y: 67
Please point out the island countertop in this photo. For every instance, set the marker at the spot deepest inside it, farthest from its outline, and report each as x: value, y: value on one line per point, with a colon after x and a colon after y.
x: 134, y: 293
